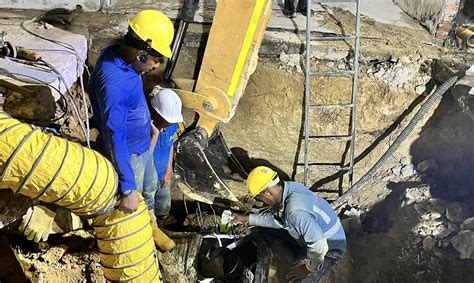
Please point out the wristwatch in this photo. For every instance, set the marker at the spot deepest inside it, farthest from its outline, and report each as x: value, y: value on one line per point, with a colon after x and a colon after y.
x: 127, y: 193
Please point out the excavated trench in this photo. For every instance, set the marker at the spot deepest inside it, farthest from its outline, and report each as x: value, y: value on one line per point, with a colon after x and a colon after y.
x: 411, y: 223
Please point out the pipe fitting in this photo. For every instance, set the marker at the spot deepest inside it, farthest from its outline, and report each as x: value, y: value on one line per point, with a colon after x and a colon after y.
x: 465, y: 35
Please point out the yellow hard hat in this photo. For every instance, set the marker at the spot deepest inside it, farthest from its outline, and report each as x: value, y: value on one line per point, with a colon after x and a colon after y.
x: 154, y: 26
x: 259, y: 179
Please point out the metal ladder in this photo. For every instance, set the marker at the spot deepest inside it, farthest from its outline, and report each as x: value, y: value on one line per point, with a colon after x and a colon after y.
x: 341, y: 168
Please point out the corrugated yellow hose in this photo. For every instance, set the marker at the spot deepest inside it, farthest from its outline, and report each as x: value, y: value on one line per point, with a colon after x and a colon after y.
x: 53, y: 170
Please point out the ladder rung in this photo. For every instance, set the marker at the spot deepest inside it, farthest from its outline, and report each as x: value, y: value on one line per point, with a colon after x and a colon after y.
x: 335, y: 1
x: 338, y: 168
x: 334, y: 73
x: 337, y: 106
x: 333, y: 167
x: 330, y: 190
x: 330, y: 138
x: 332, y: 38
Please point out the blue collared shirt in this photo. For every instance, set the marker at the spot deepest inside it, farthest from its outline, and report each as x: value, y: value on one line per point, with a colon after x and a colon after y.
x: 121, y: 113
x: 162, y: 151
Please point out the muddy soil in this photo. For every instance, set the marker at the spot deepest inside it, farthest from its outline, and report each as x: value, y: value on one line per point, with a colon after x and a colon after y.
x: 71, y: 257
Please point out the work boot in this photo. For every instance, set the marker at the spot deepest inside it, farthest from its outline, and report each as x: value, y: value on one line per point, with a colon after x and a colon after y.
x: 289, y: 9
x: 162, y: 241
x: 302, y: 7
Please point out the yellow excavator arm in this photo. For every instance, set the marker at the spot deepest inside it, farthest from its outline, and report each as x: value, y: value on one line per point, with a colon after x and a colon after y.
x: 230, y: 58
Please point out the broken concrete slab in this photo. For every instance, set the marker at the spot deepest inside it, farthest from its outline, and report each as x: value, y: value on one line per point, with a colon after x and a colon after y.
x: 464, y: 243
x: 85, y: 5
x: 468, y: 224
x: 429, y: 243
x: 429, y: 13
x: 427, y: 166
x: 65, y: 51
x: 32, y: 102
x: 456, y: 212
x: 12, y: 207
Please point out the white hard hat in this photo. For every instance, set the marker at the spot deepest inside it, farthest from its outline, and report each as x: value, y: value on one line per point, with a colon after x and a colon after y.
x: 168, y: 104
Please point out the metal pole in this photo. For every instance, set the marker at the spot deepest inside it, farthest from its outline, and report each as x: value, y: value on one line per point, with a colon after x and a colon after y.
x: 354, y: 90
x: 307, y: 89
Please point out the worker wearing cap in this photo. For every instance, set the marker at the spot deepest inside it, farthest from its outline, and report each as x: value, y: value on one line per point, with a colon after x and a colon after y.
x: 306, y: 216
x: 121, y: 111
x: 166, y: 114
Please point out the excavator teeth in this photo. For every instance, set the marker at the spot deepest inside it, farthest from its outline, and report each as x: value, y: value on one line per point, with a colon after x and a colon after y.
x: 203, y: 167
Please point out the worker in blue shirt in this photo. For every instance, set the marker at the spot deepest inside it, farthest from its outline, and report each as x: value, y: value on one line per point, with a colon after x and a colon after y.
x: 121, y: 111
x: 306, y: 216
x: 166, y: 114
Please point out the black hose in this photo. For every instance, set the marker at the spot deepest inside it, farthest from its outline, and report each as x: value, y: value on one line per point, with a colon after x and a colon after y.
x: 401, y: 138
x: 186, y: 15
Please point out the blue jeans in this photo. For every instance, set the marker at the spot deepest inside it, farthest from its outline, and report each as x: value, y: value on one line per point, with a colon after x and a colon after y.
x: 316, y: 276
x: 145, y: 176
x: 162, y: 204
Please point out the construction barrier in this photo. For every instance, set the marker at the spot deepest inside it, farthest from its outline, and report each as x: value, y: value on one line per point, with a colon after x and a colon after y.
x: 54, y: 170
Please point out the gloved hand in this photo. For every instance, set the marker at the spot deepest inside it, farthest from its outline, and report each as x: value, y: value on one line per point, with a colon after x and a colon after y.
x: 37, y: 223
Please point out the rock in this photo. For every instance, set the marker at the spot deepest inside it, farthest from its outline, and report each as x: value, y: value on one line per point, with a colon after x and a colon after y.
x: 436, y: 205
x: 416, y: 241
x: 464, y: 243
x: 330, y: 53
x: 432, y: 227
x: 418, y: 194
x: 341, y: 66
x: 439, y: 253
x: 54, y: 254
x: 404, y: 60
x: 12, y: 207
x: 427, y: 166
x: 65, y: 221
x: 408, y: 171
x: 441, y: 231
x: 468, y: 224
x: 291, y: 61
x: 388, y: 178
x: 420, y: 209
x: 415, y: 57
x: 429, y: 243
x: 456, y: 212
x: 435, y: 215
x: 397, y: 170
x: 330, y: 64
x: 405, y: 160
x: 419, y: 89
x: 445, y: 243
x: 352, y: 226
x: 453, y: 227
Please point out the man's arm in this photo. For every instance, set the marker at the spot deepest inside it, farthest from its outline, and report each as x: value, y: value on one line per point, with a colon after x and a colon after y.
x: 316, y: 244
x: 115, y: 111
x: 262, y: 219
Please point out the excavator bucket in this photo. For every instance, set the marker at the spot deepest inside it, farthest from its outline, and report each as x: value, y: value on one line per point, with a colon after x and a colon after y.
x: 207, y: 170
x: 205, y: 164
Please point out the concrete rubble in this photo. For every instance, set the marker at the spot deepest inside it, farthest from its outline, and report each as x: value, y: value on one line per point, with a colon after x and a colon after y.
x: 463, y: 242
